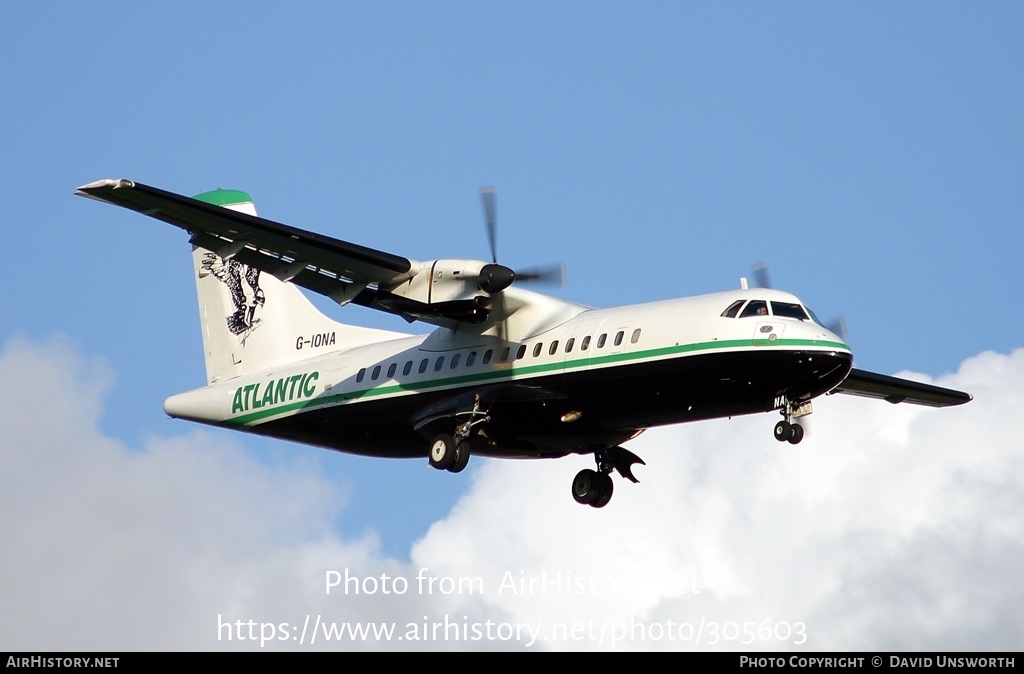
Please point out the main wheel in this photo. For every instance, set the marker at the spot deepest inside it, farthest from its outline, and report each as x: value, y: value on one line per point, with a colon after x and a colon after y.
x: 783, y: 431
x: 605, y: 494
x: 586, y: 486
x: 462, y: 454
x: 442, y: 452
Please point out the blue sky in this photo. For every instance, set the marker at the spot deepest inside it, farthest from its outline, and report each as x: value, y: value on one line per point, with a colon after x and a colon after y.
x: 870, y: 153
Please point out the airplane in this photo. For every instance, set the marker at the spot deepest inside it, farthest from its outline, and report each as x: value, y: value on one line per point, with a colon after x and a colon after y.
x: 506, y: 372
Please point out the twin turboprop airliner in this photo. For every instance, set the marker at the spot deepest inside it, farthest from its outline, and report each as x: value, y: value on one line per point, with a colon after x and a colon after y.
x: 506, y: 372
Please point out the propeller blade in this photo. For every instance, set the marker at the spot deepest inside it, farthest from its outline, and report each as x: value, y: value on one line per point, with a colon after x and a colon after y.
x: 552, y: 273
x: 760, y: 271
x: 838, y: 327
x: 487, y: 198
x: 494, y: 278
x: 503, y: 320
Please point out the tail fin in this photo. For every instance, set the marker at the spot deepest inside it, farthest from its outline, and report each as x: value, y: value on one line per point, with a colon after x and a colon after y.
x: 252, y: 321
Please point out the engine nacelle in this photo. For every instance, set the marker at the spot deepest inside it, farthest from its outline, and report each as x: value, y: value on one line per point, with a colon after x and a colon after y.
x: 442, y: 281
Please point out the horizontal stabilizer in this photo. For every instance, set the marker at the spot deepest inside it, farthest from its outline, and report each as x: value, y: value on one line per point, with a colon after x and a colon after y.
x: 321, y: 263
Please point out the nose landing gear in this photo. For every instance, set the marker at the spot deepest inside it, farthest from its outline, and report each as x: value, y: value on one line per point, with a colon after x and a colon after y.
x: 789, y: 430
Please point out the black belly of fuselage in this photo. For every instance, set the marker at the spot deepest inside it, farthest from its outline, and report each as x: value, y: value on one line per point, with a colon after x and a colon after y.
x: 612, y: 402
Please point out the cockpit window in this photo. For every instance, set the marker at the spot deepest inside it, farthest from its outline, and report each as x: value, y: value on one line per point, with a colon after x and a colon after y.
x: 789, y: 310
x: 755, y: 308
x: 733, y: 310
x: 760, y: 308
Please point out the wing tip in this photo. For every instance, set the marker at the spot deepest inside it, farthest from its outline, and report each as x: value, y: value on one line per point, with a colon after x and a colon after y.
x: 966, y: 398
x: 106, y: 183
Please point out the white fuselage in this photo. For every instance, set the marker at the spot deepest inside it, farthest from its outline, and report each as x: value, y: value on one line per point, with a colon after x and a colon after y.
x: 594, y: 342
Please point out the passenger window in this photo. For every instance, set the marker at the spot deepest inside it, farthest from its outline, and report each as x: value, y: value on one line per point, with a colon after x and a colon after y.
x: 601, y: 340
x: 521, y: 353
x: 487, y: 356
x: 755, y: 308
x: 537, y: 348
x: 455, y: 361
x: 423, y: 365
x: 618, y: 337
x: 361, y: 374
x: 470, y: 359
x: 391, y: 370
x: 568, y: 344
x: 439, y: 363
x: 733, y: 310
x: 636, y: 336
x: 376, y: 372
x: 504, y: 355
x: 585, y: 344
x: 554, y: 347
x: 407, y: 369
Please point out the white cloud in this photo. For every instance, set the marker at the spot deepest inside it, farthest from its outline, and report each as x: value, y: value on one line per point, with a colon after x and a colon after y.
x: 889, y: 527
x: 108, y: 547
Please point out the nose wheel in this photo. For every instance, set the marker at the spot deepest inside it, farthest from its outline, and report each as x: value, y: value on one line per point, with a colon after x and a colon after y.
x: 791, y: 432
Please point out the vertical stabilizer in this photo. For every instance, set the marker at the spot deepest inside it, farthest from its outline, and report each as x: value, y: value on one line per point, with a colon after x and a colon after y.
x: 251, y: 321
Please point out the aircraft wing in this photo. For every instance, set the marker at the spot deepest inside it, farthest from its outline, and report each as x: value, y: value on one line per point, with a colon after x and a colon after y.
x: 345, y: 272
x: 325, y: 265
x: 896, y: 390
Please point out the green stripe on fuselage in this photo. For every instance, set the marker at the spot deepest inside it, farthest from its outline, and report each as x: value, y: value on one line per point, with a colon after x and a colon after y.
x: 513, y: 373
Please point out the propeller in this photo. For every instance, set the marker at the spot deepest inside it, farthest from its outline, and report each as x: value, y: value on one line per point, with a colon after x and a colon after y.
x: 494, y: 277
x: 837, y: 325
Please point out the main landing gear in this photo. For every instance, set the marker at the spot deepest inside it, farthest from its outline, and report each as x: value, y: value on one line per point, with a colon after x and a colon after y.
x: 594, y: 487
x: 447, y: 454
x: 452, y: 452
x: 789, y: 430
